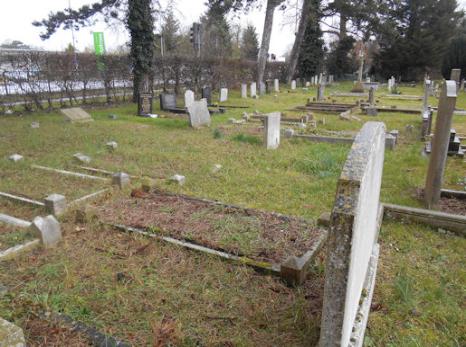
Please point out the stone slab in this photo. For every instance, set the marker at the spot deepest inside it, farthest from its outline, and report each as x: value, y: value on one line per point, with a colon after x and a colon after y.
x: 272, y: 130
x: 48, y: 230
x: 199, y: 114
x: 76, y: 115
x: 223, y: 94
x: 188, y: 98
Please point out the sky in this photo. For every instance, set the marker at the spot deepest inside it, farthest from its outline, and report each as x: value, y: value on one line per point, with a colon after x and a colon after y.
x: 16, y: 17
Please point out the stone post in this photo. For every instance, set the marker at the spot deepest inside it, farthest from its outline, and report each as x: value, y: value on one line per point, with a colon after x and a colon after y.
x: 244, y: 90
x: 55, y: 204
x: 438, y: 156
x: 272, y: 130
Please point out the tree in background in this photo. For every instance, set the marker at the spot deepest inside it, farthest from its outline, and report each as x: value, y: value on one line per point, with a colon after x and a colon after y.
x: 311, y: 56
x: 456, y: 52
x: 249, y: 43
x: 170, y: 32
x: 414, y: 36
x: 216, y: 36
x: 138, y: 17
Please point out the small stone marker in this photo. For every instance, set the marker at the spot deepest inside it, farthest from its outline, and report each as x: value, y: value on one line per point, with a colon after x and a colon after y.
x: 321, y: 92
x: 35, y: 125
x: 167, y: 101
x: 440, y: 142
x: 390, y: 142
x: 276, y: 85
x: 272, y: 130
x: 11, y: 335
x: 199, y: 114
x: 180, y: 179
x: 188, y: 98
x: 113, y: 116
x: 289, y: 133
x: 207, y: 94
x: 253, y: 90
x: 120, y: 179
x: 112, y: 145
x: 48, y: 229
x: 16, y: 157
x: 244, y: 90
x: 82, y: 158
x: 216, y: 168
x: 371, y: 110
x: 76, y: 115
x: 293, y: 84
x: 223, y: 94
x: 55, y: 204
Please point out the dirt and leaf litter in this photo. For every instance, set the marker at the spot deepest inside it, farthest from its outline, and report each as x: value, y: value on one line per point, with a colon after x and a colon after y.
x: 262, y: 236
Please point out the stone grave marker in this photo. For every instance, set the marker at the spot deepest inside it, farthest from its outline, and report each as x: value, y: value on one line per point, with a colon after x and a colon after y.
x: 55, y: 204
x: 371, y: 110
x: 199, y: 114
x: 244, y: 90
x: 272, y: 130
x: 253, y: 90
x: 440, y: 144
x: 352, y: 247
x: 15, y: 157
x: 167, y: 101
x: 188, y: 98
x: 121, y: 179
x: 276, y: 85
x: 293, y: 84
x: 76, y: 115
x: 207, y: 94
x: 48, y: 229
x: 262, y: 88
x: 223, y: 94
x: 455, y: 75
x: 145, y: 104
x: 320, y: 92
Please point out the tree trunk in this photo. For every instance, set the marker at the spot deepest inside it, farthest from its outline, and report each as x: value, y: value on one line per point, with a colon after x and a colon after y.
x: 343, y: 21
x: 305, y: 12
x: 266, y: 35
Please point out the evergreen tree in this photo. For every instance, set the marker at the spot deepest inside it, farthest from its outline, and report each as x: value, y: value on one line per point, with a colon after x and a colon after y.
x: 216, y: 36
x: 249, y: 43
x: 456, y: 53
x: 312, y: 54
x: 170, y: 32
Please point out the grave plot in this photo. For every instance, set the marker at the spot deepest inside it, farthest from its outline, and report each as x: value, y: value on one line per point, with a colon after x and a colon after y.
x: 266, y: 238
x: 11, y: 236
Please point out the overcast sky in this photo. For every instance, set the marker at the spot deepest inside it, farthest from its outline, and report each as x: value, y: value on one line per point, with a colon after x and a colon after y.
x: 16, y: 17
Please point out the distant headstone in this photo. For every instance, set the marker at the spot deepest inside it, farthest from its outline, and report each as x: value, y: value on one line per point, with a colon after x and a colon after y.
x: 167, y: 101
x: 330, y: 79
x: 82, y: 158
x: 199, y: 114
x: 16, y: 157
x: 112, y: 145
x: 262, y: 88
x: 55, y: 204
x: 35, y: 125
x: 372, y: 96
x: 76, y: 115
x: 455, y: 75
x: 223, y: 94
x: 276, y: 85
x: 121, y: 179
x: 253, y: 90
x: 180, y: 179
x: 320, y: 92
x: 207, y: 94
x: 188, y: 98
x: 289, y: 133
x: 272, y: 130
x: 244, y: 90
x: 145, y: 104
x: 293, y: 84
x: 308, y: 84
x: 48, y: 229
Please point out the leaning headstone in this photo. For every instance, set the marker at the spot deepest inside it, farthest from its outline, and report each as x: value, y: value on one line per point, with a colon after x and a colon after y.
x: 11, y: 335
x: 244, y: 90
x: 55, y: 204
x: 207, y: 94
x: 253, y: 90
x: 223, y: 94
x: 199, y: 114
x: 120, y: 179
x: 276, y: 85
x: 188, y: 98
x: 48, y: 229
x: 15, y: 157
x: 352, y: 247
x: 82, y: 158
x: 272, y: 130
x: 167, y: 101
x: 293, y: 85
x: 440, y: 144
x: 76, y: 115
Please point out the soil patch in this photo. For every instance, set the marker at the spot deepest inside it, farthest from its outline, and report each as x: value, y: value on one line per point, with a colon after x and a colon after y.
x: 263, y: 236
x: 448, y: 204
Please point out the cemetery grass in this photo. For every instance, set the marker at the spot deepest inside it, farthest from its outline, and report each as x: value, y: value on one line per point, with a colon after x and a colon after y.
x: 297, y: 179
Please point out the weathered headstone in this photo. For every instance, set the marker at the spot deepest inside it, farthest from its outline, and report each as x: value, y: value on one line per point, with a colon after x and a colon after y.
x: 276, y: 85
x: 293, y: 84
x: 223, y: 94
x: 15, y: 157
x: 199, y: 114
x: 244, y: 90
x: 289, y: 133
x: 76, y: 115
x: 55, y: 204
x: 272, y: 130
x: 35, y: 125
x: 188, y: 98
x: 352, y: 248
x: 48, y: 229
x: 11, y: 335
x: 253, y: 90
x: 207, y: 94
x: 121, y: 179
x: 82, y: 158
x: 455, y: 75
x: 145, y: 104
x: 180, y: 179
x: 440, y: 143
x: 112, y: 145
x: 426, y: 123
x: 320, y: 92
x: 167, y: 101
x: 371, y: 110
x: 262, y: 88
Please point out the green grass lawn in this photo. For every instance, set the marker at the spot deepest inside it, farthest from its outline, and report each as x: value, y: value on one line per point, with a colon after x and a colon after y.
x: 419, y: 299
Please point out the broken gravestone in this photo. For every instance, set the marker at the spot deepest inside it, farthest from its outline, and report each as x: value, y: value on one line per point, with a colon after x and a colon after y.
x: 48, y: 230
x: 199, y: 114
x: 76, y: 115
x: 272, y: 130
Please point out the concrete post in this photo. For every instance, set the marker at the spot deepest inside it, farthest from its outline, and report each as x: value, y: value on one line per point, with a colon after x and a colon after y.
x: 438, y: 156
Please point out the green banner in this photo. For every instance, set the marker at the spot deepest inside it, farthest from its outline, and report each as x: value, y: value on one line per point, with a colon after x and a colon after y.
x: 99, y: 43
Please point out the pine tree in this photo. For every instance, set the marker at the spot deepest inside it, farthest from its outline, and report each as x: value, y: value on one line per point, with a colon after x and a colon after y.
x: 216, y: 36
x: 170, y: 32
x: 249, y: 43
x: 456, y: 53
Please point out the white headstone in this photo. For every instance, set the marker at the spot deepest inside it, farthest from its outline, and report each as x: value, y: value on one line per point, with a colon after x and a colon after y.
x: 188, y: 98
x: 272, y: 130
x: 253, y: 90
x: 48, y: 229
x: 276, y: 85
x: 199, y: 113
x: 223, y: 94
x: 16, y: 157
x: 244, y: 90
x: 293, y: 84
